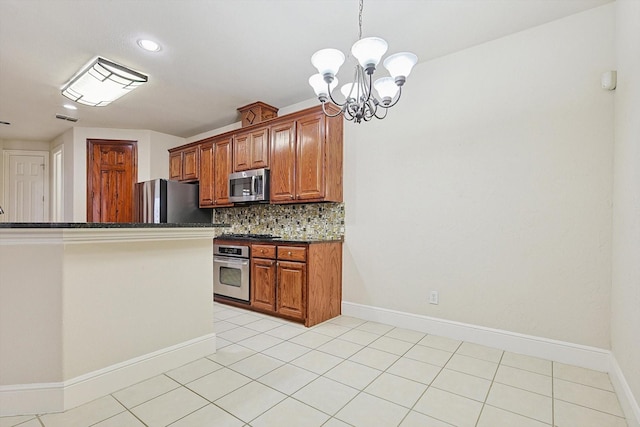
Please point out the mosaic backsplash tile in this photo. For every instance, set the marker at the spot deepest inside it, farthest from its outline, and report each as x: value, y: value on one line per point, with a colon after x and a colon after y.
x: 313, y: 221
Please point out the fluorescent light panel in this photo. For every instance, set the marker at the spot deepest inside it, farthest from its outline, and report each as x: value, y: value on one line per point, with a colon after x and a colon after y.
x: 102, y: 82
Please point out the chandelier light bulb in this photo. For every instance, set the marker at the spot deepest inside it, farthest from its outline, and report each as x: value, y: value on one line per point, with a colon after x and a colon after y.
x: 400, y: 65
x: 347, y: 91
x: 320, y: 86
x: 387, y: 89
x: 368, y: 52
x: 328, y: 62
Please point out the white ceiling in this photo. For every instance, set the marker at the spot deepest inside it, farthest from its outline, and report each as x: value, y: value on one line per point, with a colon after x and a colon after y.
x: 219, y: 55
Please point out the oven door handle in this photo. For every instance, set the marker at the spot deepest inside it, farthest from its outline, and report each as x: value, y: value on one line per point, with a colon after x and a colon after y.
x: 231, y: 261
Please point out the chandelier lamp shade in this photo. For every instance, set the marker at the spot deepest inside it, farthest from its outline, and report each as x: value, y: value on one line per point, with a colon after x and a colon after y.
x: 101, y: 82
x: 360, y: 103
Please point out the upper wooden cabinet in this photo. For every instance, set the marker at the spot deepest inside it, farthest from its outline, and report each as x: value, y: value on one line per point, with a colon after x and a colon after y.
x: 221, y: 170
x: 306, y: 159
x: 303, y: 151
x: 283, y: 162
x: 215, y: 166
x: 184, y: 163
x: 206, y: 174
x: 251, y: 150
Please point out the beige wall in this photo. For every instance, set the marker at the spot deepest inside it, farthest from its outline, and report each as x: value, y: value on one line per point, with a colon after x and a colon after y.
x: 30, y: 314
x: 76, y: 314
x: 149, y: 296
x: 491, y: 182
x: 625, y: 298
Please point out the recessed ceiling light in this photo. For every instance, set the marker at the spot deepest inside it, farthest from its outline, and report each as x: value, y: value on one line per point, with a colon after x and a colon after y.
x: 149, y: 45
x: 70, y: 107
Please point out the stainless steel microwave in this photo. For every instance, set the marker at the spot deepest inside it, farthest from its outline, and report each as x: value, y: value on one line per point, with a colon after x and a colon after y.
x: 249, y: 186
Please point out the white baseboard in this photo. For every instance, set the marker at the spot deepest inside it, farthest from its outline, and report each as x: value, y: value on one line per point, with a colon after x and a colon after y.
x: 559, y: 351
x: 628, y: 402
x: 28, y: 399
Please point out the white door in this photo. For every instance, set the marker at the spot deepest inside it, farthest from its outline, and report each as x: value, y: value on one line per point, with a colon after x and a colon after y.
x: 26, y: 178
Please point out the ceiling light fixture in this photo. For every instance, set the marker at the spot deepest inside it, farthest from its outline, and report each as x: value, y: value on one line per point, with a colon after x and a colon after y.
x: 360, y: 102
x: 149, y: 45
x: 102, y: 82
x: 70, y: 107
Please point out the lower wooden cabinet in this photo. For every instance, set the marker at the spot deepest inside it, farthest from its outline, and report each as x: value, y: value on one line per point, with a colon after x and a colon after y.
x: 263, y: 284
x: 301, y: 282
x: 291, y: 287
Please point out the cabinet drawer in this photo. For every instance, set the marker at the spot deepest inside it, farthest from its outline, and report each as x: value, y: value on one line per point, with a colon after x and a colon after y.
x: 292, y: 253
x: 263, y: 251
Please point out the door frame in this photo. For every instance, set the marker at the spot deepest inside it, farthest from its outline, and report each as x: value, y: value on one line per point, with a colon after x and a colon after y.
x: 6, y: 154
x: 99, y: 141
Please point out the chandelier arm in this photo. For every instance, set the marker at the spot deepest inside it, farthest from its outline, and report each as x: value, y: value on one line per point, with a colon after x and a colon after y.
x: 333, y: 100
x: 352, y: 109
x: 372, y: 109
x: 369, y: 93
x: 383, y: 116
x: 396, y: 100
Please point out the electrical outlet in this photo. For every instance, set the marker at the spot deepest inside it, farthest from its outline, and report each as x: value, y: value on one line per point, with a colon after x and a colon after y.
x: 433, y: 297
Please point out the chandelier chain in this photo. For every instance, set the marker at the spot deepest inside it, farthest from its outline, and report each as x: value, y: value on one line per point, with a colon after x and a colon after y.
x: 360, y: 19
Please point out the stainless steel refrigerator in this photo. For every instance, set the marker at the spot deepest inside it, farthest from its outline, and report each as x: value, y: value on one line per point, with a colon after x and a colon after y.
x: 165, y: 201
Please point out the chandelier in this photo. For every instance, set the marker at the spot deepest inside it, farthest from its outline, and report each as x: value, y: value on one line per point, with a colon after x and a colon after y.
x: 360, y: 102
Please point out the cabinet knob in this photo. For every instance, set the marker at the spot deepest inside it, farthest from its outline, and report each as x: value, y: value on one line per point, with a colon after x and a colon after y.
x: 291, y: 196
x: 262, y: 251
x: 289, y: 253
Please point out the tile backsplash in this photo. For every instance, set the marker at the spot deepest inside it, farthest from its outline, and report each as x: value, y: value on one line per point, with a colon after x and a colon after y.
x: 308, y: 221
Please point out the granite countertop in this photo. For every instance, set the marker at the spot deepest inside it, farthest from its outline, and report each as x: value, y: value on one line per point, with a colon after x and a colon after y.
x: 105, y: 225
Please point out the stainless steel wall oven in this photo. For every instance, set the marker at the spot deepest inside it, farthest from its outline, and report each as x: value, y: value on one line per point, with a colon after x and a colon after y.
x: 231, y: 271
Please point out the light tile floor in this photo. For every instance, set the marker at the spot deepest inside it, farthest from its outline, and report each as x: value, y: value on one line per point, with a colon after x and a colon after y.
x: 269, y: 372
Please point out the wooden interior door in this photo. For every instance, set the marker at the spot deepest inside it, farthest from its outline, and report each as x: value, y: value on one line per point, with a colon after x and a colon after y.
x: 112, y: 171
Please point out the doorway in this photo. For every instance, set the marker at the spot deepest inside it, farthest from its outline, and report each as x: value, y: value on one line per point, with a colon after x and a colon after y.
x: 112, y: 171
x: 26, y: 186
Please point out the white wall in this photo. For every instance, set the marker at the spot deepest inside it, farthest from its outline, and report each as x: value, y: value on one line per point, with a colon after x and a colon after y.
x: 491, y: 182
x: 625, y: 297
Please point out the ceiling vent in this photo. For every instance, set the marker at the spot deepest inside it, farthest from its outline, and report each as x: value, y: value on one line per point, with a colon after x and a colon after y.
x: 67, y: 118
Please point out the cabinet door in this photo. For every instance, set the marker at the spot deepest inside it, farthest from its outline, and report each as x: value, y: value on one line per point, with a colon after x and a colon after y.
x: 292, y: 278
x: 190, y: 164
x: 283, y: 155
x: 263, y: 284
x: 251, y: 150
x: 221, y: 171
x: 310, y: 157
x: 241, y: 152
x: 259, y: 140
x: 175, y: 166
x: 206, y: 175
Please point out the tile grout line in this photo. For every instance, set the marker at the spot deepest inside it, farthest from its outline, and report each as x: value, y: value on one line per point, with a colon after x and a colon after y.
x: 484, y: 403
x: 430, y: 384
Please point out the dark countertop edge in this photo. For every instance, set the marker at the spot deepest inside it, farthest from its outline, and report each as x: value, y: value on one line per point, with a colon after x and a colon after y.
x: 247, y: 241
x: 23, y: 225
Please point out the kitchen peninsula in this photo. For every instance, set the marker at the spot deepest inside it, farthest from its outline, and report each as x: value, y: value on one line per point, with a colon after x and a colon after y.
x: 88, y: 309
